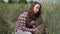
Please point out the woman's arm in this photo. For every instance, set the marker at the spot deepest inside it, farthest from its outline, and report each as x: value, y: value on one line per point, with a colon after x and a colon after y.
x: 20, y: 24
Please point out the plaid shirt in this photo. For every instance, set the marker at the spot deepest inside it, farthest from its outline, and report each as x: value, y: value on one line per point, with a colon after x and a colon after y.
x: 21, y: 22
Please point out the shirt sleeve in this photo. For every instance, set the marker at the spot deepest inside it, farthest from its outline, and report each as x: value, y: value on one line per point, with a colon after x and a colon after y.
x: 20, y: 24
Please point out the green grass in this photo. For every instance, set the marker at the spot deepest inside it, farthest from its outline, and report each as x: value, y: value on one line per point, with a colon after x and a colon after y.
x: 9, y: 14
x: 51, y: 14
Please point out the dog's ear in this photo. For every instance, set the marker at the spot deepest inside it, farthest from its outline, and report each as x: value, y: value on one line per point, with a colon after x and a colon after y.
x: 32, y: 22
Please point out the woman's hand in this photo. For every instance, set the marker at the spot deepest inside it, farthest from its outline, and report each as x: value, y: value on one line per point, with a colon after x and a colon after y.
x: 37, y: 30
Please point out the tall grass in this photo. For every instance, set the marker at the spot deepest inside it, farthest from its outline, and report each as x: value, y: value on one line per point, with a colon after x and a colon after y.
x: 51, y: 15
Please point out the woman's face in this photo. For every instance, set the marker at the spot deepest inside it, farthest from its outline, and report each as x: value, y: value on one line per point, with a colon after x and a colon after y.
x: 36, y: 8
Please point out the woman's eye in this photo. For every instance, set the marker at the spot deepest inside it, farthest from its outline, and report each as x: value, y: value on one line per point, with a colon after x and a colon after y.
x: 37, y: 7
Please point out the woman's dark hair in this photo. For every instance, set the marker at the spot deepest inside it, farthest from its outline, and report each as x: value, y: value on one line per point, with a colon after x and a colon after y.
x: 32, y: 8
x: 33, y: 4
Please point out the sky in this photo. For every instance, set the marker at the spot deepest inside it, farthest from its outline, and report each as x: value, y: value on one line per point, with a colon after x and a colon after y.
x: 34, y: 0
x: 37, y: 0
x: 6, y: 0
x: 27, y: 0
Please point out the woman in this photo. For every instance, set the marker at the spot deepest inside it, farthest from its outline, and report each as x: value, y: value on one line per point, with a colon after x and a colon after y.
x: 23, y: 23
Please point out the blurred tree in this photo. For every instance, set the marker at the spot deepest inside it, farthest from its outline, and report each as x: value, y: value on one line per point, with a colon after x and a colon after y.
x: 31, y: 1
x: 14, y: 1
x: 10, y: 1
x: 22, y: 1
x: 1, y: 1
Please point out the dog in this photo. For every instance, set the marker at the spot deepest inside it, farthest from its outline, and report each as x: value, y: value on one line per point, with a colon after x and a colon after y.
x: 41, y: 27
